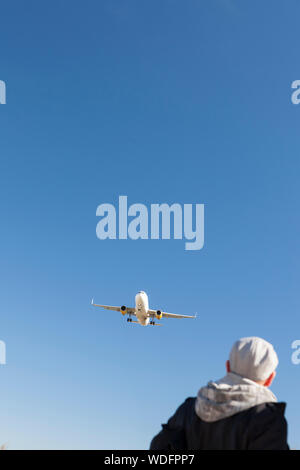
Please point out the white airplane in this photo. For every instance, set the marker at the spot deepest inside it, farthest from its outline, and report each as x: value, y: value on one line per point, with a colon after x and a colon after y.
x: 142, y: 311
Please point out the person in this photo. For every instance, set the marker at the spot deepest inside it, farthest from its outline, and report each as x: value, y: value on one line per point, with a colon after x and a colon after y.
x: 238, y: 412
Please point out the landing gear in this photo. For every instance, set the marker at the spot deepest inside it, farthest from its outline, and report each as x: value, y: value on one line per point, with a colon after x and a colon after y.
x: 154, y: 323
x: 129, y: 319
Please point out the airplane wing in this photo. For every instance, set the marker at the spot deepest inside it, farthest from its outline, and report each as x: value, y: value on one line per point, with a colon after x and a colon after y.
x: 170, y: 315
x: 129, y: 311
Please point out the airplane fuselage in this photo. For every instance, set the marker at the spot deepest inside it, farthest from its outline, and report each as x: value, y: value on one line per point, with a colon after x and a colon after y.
x: 144, y: 315
x: 142, y: 308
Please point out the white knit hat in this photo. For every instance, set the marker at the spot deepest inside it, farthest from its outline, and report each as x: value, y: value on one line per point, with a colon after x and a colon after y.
x: 253, y: 358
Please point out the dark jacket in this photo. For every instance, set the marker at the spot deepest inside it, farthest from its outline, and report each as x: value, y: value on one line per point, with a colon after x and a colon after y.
x: 262, y: 427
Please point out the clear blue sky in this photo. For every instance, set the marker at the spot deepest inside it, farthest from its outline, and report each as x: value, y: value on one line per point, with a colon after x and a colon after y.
x: 163, y: 101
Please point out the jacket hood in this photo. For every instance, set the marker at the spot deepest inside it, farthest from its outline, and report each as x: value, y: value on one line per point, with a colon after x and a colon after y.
x: 230, y: 395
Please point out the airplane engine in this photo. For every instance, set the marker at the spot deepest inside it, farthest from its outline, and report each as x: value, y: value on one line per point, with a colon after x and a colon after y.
x: 123, y: 310
x: 158, y: 314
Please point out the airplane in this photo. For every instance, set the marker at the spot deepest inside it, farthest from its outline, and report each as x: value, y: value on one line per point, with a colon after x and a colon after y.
x: 144, y: 315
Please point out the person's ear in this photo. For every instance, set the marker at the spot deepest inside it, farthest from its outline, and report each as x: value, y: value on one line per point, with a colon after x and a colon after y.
x: 228, y: 366
x: 270, y: 379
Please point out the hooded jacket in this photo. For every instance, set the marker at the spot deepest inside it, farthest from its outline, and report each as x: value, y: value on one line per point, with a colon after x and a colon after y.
x: 233, y: 413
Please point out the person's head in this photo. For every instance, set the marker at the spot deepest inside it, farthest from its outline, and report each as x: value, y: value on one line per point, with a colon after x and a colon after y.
x: 253, y: 358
